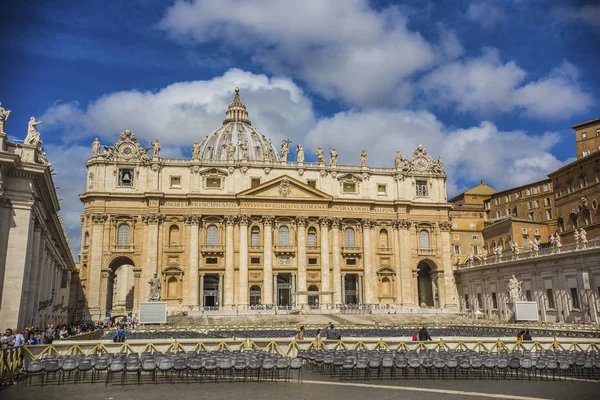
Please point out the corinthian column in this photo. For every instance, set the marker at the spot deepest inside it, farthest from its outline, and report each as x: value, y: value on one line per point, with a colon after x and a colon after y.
x: 396, y: 248
x: 268, y: 260
x: 448, y: 291
x: 367, y: 261
x: 229, y: 250
x: 301, y: 298
x: 95, y: 274
x: 325, y: 299
x: 152, y: 221
x: 193, y: 221
x: 406, y: 274
x: 337, y: 273
x: 243, y: 286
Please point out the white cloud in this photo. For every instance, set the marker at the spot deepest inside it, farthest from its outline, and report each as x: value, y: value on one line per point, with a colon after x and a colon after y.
x: 342, y: 49
x: 487, y: 13
x: 588, y: 14
x: 503, y: 158
x: 184, y: 112
x: 487, y: 85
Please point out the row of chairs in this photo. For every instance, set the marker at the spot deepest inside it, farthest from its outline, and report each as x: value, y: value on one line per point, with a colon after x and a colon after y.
x: 457, y: 364
x: 171, y: 367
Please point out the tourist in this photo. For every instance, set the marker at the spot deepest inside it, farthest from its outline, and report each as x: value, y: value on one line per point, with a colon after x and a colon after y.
x: 300, y: 334
x: 423, y: 334
x: 415, y: 337
x: 49, y: 334
x: 526, y: 335
x: 63, y: 334
x: 521, y: 335
x: 319, y: 334
x: 120, y: 335
x: 8, y: 339
x: 332, y: 333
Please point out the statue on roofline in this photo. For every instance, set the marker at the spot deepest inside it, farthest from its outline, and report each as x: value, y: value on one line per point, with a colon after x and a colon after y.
x: 333, y: 156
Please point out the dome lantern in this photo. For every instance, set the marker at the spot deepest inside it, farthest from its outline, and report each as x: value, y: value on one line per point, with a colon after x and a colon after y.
x: 236, y: 112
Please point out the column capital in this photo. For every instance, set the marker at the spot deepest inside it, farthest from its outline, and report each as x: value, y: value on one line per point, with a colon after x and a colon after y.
x: 243, y: 219
x: 336, y: 222
x: 202, y: 274
x: 367, y: 223
x: 403, y: 224
x: 230, y: 219
x: 445, y: 226
x: 267, y: 220
x: 192, y: 219
x: 98, y: 218
x: 153, y: 218
x: 324, y: 221
x: 301, y: 221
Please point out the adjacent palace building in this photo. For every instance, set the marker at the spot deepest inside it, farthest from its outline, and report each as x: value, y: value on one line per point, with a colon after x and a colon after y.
x: 239, y: 226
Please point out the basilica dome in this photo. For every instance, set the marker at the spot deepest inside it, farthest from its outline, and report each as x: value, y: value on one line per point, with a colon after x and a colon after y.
x: 237, y: 139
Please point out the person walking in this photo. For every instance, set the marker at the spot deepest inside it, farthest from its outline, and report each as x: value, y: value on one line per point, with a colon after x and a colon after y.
x: 423, y: 334
x: 300, y: 334
x: 527, y: 335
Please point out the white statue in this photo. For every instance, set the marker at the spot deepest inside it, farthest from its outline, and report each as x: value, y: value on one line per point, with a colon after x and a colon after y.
x: 557, y: 242
x: 363, y: 158
x: 535, y: 248
x: 333, y: 156
x: 320, y: 156
x: 515, y: 250
x: 230, y: 151
x: 576, y: 237
x: 514, y: 289
x: 244, y: 148
x: 195, y: 151
x: 4, y: 114
x: 266, y: 153
x: 299, y: 153
x: 469, y: 260
x: 285, y: 150
x: 155, y: 287
x: 583, y: 238
x: 155, y: 149
x: 96, y: 148
x: 33, y: 136
x: 484, y: 256
x: 398, y: 159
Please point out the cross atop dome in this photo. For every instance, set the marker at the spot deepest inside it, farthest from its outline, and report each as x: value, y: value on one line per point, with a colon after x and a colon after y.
x: 236, y: 112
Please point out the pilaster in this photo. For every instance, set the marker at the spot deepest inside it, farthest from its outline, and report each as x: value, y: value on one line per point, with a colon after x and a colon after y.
x: 243, y: 269
x: 193, y: 222
x: 229, y: 252
x: 301, y: 240
x: 338, y: 297
x: 325, y: 299
x: 268, y: 259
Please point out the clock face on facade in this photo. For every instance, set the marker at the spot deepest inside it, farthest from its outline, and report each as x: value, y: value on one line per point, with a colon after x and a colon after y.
x: 126, y: 150
x: 420, y: 164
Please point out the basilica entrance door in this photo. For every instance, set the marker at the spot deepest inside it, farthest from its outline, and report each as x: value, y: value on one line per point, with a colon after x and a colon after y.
x: 284, y: 290
x: 425, y: 285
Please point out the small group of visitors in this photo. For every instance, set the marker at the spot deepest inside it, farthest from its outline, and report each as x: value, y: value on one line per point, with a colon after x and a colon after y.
x: 524, y: 335
x: 421, y: 335
x: 328, y: 333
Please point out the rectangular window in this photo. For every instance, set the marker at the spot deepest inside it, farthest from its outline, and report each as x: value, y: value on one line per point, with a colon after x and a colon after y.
x: 487, y: 205
x: 582, y: 182
x: 546, y: 187
x: 349, y: 187
x: 312, y: 183
x: 585, y: 153
x: 473, y: 226
x: 570, y: 187
x: 494, y: 300
x: 212, y: 260
x: 508, y: 212
x: 476, y: 250
x: 574, y: 298
x: 531, y: 217
x: 597, y: 132
x: 467, y: 301
x: 547, y: 201
x: 507, y: 198
x: 528, y: 295
x: 422, y: 189
x: 498, y: 214
x: 528, y: 192
x: 213, y: 183
x: 64, y: 279
x: 557, y: 191
x: 350, y: 261
x: 255, y: 238
x: 254, y: 182
x: 479, y: 300
x: 537, y: 204
x: 536, y: 189
x: 255, y: 260
x: 584, y: 136
x: 176, y: 182
x: 517, y: 195
x: 550, y: 298
x: 126, y: 177
x: 381, y: 189
x: 456, y: 249
x: 474, y: 237
x: 497, y: 202
x: 597, y: 175
x: 548, y: 214
x: 312, y: 261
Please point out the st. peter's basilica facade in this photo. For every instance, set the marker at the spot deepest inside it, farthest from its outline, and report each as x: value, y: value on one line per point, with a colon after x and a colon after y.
x: 238, y: 226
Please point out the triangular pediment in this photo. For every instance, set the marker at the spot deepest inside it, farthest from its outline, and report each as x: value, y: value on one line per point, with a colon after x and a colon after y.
x: 284, y: 187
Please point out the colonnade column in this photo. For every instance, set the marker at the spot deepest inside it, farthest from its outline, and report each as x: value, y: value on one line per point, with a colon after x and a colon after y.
x: 359, y: 289
x: 268, y: 259
x: 367, y: 260
x: 448, y: 292
x: 397, y: 269
x: 243, y: 273
x: 229, y: 251
x: 275, y: 289
x: 325, y: 300
x: 338, y: 297
x: 201, y: 300
x: 294, y: 297
x: 34, y: 281
x: 151, y: 267
x: 406, y: 275
x: 343, y: 288
x: 137, y: 273
x: 302, y: 299
x: 221, y: 290
x: 95, y: 257
x: 193, y: 221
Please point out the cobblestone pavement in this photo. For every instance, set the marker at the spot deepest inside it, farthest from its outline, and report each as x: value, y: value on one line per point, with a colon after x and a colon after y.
x: 314, y: 387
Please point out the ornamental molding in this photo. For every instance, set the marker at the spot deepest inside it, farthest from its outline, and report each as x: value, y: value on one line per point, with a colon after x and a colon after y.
x: 324, y: 221
x: 192, y: 219
x: 420, y: 163
x: 230, y: 220
x: 216, y: 172
x: 267, y: 220
x: 98, y: 218
x: 284, y: 188
x: 336, y: 223
x: 445, y: 226
x: 154, y: 218
x: 243, y: 219
x: 403, y: 224
x: 368, y: 223
x: 127, y: 148
x: 350, y: 178
x: 301, y: 221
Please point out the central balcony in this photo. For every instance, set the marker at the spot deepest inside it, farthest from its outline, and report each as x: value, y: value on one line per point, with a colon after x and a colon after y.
x: 212, y: 249
x: 425, y: 252
x: 174, y: 248
x: 122, y: 248
x: 351, y: 251
x: 285, y: 250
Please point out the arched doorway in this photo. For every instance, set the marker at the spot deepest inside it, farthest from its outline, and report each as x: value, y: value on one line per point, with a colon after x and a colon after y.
x: 120, y: 286
x: 313, y: 299
x: 425, y: 284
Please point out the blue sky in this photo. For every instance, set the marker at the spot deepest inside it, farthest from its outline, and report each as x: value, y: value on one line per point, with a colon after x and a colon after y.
x: 492, y: 86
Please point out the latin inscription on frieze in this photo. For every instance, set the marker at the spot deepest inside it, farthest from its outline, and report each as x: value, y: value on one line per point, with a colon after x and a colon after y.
x: 281, y: 206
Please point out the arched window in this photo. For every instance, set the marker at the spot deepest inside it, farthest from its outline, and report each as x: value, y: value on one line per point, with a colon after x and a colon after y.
x: 312, y: 237
x: 123, y: 235
x: 174, y: 235
x: 383, y: 239
x: 86, y: 239
x: 172, y: 288
x: 349, y: 237
x: 255, y: 236
x: 424, y: 239
x: 212, y: 235
x: 284, y: 236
